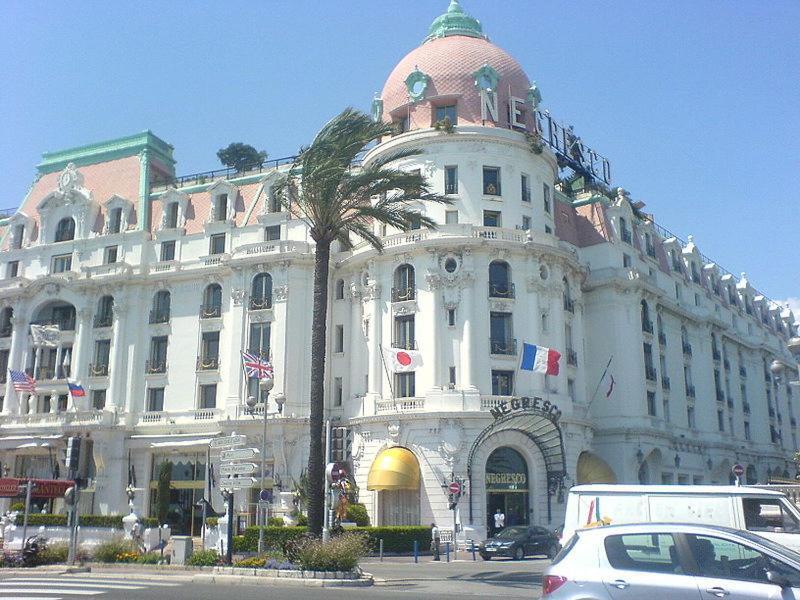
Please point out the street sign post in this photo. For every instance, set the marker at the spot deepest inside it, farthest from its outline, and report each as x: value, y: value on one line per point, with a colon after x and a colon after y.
x: 237, y: 469
x: 230, y: 441
x: 238, y: 454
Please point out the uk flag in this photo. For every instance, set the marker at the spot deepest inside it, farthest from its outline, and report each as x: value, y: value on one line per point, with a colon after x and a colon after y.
x: 257, y: 367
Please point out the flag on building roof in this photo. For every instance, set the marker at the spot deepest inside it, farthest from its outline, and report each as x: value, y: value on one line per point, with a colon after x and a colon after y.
x: 22, y: 381
x: 75, y: 389
x: 540, y: 359
x: 257, y: 367
x: 401, y: 360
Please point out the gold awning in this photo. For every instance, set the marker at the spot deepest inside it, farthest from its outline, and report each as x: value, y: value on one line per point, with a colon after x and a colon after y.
x: 593, y: 469
x: 394, y: 469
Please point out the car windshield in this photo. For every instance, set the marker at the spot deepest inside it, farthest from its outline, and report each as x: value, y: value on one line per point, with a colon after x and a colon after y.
x: 511, y: 532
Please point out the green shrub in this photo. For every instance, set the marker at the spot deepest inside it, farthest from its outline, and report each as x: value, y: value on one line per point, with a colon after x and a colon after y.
x: 275, y: 522
x: 340, y: 553
x: 203, y: 558
x: 116, y: 550
x: 149, y: 558
x: 357, y: 513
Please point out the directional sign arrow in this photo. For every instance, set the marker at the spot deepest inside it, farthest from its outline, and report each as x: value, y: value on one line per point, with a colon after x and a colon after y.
x: 228, y: 441
x: 238, y: 454
x: 237, y: 482
x: 237, y: 469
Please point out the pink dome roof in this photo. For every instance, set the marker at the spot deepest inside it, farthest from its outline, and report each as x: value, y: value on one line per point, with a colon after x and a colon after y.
x: 450, y: 63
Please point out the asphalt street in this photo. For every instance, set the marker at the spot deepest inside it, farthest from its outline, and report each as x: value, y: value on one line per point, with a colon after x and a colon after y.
x: 394, y: 581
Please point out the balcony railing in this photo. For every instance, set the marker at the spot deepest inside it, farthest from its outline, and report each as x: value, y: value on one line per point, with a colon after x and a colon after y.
x: 401, y: 294
x: 665, y: 383
x: 647, y: 326
x: 207, y: 363
x: 103, y: 320
x: 690, y: 391
x: 662, y: 338
x: 405, y: 344
x: 152, y: 366
x: 715, y: 355
x: 260, y: 302
x: 569, y: 305
x: 159, y: 316
x: 687, y: 348
x: 504, y: 347
x: 650, y: 372
x: 742, y: 372
x: 572, y: 357
x: 98, y: 369
x: 210, y: 311
x: 501, y: 290
x: 720, y: 396
x: 746, y: 408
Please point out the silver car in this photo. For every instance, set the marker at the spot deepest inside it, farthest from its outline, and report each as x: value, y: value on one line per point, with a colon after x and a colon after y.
x: 651, y: 561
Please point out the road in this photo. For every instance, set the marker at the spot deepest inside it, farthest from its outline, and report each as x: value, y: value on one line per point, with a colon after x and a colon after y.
x: 394, y: 581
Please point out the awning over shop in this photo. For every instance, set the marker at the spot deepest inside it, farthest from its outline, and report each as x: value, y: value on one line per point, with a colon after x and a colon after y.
x: 593, y: 469
x: 394, y: 469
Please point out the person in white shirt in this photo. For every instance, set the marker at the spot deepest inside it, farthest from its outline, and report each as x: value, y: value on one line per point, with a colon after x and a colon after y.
x: 499, y: 520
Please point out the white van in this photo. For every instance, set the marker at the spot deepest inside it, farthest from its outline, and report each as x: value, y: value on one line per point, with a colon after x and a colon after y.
x: 765, y: 512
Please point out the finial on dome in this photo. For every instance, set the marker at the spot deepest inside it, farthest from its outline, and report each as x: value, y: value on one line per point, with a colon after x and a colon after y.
x: 455, y: 22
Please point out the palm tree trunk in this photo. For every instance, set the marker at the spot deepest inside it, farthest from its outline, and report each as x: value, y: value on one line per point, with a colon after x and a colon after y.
x: 316, y: 458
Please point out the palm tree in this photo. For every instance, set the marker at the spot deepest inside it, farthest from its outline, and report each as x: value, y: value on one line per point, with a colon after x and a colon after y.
x: 336, y: 198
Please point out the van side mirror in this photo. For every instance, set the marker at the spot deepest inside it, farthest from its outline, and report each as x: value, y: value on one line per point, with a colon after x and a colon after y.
x: 776, y: 578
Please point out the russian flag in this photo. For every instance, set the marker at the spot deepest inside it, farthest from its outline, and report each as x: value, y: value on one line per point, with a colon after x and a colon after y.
x: 539, y: 359
x: 76, y: 390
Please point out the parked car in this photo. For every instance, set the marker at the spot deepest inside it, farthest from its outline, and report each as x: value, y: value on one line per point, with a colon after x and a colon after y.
x: 668, y: 560
x: 768, y: 513
x: 519, y: 541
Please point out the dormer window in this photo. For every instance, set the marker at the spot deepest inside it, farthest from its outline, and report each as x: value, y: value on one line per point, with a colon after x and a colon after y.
x: 221, y: 207
x: 115, y: 221
x: 171, y: 221
x: 65, y: 230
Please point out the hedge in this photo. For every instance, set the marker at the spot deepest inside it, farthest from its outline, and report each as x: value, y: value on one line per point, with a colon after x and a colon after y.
x: 110, y: 521
x: 395, y: 539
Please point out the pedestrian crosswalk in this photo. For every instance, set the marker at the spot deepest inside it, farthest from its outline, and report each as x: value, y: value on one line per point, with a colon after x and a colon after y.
x: 67, y: 586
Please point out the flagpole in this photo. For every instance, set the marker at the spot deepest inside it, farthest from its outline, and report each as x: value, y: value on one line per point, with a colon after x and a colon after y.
x: 594, y: 395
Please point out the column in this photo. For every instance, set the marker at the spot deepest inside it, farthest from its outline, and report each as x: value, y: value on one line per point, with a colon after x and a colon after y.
x: 116, y: 367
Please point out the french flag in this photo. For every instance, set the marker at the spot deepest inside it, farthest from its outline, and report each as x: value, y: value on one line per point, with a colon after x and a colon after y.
x: 540, y: 359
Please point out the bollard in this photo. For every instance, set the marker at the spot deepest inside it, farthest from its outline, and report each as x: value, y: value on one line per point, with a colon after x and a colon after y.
x: 472, y: 543
x: 380, y: 549
x: 447, y: 550
x: 416, y: 551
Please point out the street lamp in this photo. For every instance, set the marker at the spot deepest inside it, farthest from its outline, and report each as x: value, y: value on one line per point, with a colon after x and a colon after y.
x: 266, y: 384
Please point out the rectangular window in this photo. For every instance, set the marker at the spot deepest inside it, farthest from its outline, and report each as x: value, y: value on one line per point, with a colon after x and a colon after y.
x: 221, y: 208
x: 651, y: 404
x: 62, y: 263
x: 98, y: 399
x: 526, y: 188
x: 110, y: 255
x: 272, y: 233
x: 115, y: 221
x: 404, y: 332
x: 526, y: 222
x: 492, y: 218
x: 491, y: 181
x: 546, y: 193
x: 338, y: 344
x: 217, y: 244
x: 451, y: 217
x: 337, y: 391
x: 451, y: 317
x: 452, y: 379
x: 172, y: 215
x: 502, y: 383
x: 155, y: 399
x: 168, y: 250
x: 404, y: 385
x: 446, y: 112
x: 451, y: 180
x: 208, y: 396
x: 12, y: 269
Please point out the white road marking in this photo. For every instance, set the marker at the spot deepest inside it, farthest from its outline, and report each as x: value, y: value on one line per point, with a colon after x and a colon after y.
x: 52, y: 591
x: 72, y: 584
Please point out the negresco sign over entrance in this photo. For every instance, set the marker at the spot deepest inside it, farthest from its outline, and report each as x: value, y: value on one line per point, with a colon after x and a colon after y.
x: 526, y: 404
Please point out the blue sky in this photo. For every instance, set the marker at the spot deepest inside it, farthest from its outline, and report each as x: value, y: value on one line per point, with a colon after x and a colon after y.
x: 695, y: 103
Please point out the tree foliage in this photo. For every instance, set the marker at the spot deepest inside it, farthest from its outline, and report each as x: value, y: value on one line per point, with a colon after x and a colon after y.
x: 241, y: 156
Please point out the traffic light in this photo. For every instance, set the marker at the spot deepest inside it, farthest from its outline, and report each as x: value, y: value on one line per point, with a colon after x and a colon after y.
x: 73, y: 455
x: 339, y: 444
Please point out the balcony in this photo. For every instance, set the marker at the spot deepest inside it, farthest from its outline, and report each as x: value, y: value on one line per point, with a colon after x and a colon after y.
x: 727, y: 364
x: 260, y: 302
x: 650, y: 372
x: 98, y: 370
x: 716, y: 355
x: 665, y: 383
x: 572, y: 357
x: 569, y: 305
x: 159, y: 316
x: 207, y: 363
x: 647, y: 326
x: 687, y: 348
x: 746, y: 408
x: 662, y: 338
x: 742, y: 372
x: 690, y: 391
x: 501, y: 290
x: 405, y: 344
x: 210, y: 311
x: 720, y: 396
x: 503, y: 347
x: 103, y: 320
x: 401, y: 294
x: 152, y: 366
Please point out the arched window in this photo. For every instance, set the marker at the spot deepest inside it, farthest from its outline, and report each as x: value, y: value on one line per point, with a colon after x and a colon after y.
x: 569, y: 305
x: 212, y: 301
x: 65, y: 230
x: 5, y: 321
x: 161, y: 307
x: 500, y: 285
x: 105, y: 312
x: 404, y: 286
x: 647, y: 324
x: 340, y: 289
x: 261, y: 294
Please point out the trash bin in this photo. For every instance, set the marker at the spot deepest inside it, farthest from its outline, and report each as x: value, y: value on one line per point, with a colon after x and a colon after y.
x: 182, y: 547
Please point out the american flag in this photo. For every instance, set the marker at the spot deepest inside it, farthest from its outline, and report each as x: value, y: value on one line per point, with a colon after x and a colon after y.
x: 22, y: 381
x: 257, y: 367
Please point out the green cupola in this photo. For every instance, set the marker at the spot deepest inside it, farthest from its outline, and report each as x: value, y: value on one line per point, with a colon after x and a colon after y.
x: 455, y: 22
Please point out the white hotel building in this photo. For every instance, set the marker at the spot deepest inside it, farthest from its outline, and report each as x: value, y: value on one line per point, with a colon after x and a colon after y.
x: 158, y: 282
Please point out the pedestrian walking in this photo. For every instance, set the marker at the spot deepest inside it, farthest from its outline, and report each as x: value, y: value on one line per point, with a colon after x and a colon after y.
x: 435, y: 541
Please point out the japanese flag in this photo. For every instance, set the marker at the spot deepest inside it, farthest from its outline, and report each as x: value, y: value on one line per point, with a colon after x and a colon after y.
x: 400, y: 360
